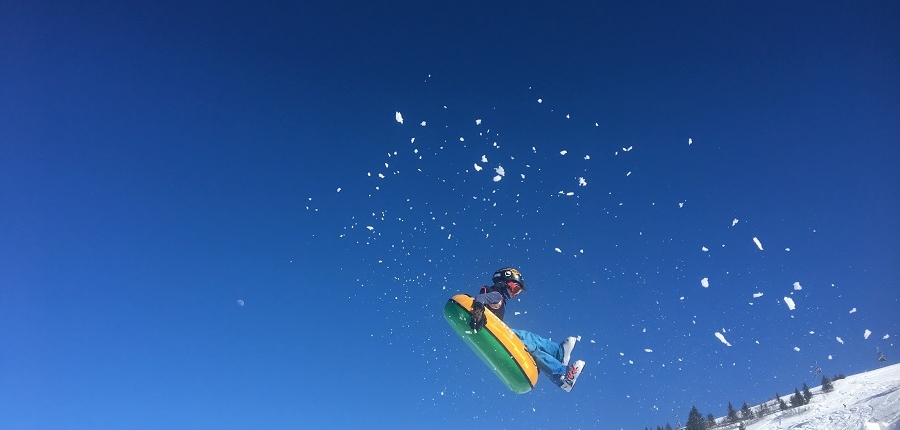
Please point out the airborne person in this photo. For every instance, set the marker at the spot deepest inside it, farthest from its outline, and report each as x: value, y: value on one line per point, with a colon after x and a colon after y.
x: 552, y: 358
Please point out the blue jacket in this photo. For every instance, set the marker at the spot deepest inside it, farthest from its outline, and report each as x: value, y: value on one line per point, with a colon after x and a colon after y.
x: 493, y: 298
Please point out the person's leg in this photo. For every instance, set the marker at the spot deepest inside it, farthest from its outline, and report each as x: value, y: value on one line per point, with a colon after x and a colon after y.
x: 547, y: 355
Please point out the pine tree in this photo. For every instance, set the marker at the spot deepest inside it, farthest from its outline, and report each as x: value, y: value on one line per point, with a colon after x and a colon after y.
x: 746, y: 412
x: 659, y: 427
x: 807, y: 395
x: 781, y: 404
x: 827, y: 386
x: 710, y: 421
x: 695, y: 420
x: 732, y: 414
x: 797, y: 399
x: 668, y: 426
x: 764, y: 409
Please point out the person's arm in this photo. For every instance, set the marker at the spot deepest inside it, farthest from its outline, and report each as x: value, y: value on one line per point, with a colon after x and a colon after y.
x: 489, y: 298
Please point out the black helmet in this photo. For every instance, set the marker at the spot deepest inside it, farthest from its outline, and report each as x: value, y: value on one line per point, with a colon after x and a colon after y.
x: 511, y: 279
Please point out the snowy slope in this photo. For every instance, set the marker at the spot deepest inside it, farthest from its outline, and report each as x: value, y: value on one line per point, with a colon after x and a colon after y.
x: 867, y: 401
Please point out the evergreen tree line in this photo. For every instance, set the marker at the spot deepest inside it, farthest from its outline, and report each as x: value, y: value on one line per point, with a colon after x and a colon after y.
x: 696, y: 421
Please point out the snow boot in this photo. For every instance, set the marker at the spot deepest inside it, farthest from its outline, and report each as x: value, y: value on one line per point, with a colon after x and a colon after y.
x: 567, y: 381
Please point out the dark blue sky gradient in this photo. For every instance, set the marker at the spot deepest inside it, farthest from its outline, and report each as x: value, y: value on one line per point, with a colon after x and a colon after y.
x: 160, y: 161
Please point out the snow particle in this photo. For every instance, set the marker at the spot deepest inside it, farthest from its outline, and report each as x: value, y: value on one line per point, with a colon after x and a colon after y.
x: 757, y: 295
x: 867, y: 333
x: 240, y: 302
x: 790, y: 303
x: 797, y: 286
x: 704, y: 282
x: 853, y: 310
x: 399, y: 117
x: 734, y: 222
x: 840, y: 341
x: 722, y: 338
x: 758, y: 244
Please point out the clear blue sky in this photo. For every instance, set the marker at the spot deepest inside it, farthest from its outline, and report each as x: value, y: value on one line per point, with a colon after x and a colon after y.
x: 160, y: 161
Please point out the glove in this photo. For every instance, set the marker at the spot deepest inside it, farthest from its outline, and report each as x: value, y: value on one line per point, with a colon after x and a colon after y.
x: 478, y: 319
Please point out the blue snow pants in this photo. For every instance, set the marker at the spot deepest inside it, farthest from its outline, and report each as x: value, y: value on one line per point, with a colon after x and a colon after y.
x: 547, y: 355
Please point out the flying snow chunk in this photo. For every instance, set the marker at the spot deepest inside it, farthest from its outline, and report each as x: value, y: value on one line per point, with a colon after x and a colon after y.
x: 240, y: 302
x: 339, y: 189
x: 462, y: 139
x: 853, y: 310
x: 704, y: 249
x: 557, y: 250
x: 563, y: 152
x: 797, y: 348
x: 648, y: 350
x: 690, y: 141
x: 399, y: 117
x: 587, y: 157
x: 840, y: 341
x: 867, y: 333
x: 734, y: 222
x: 757, y: 295
x: 477, y: 167
x: 797, y: 286
x: 582, y: 182
x: 422, y: 123
x: 886, y: 337
x: 704, y: 282
x: 681, y: 205
x: 477, y: 122
x: 484, y: 159
x: 500, y: 173
x: 790, y: 303
x: 370, y: 227
x: 722, y: 338
x: 540, y: 100
x: 758, y: 244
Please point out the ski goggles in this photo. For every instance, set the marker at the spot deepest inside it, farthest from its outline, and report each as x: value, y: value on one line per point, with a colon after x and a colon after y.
x: 514, y: 288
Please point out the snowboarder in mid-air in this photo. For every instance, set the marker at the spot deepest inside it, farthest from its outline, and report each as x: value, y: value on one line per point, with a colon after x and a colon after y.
x: 552, y: 358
